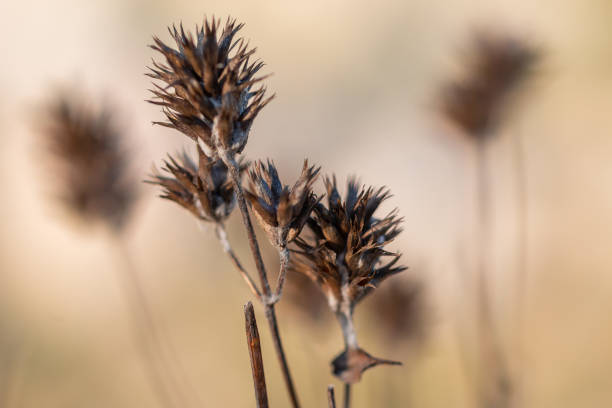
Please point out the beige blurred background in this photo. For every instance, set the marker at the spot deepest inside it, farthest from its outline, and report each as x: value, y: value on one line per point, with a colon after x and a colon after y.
x: 355, y: 83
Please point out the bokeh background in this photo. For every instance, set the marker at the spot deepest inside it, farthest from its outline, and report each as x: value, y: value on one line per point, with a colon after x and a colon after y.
x: 355, y: 83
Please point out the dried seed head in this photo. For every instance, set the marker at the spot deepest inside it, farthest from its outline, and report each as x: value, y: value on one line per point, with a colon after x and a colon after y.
x: 497, y: 66
x: 208, y: 92
x: 281, y: 210
x: 205, y: 189
x: 351, y: 363
x: 347, y: 244
x: 88, y: 154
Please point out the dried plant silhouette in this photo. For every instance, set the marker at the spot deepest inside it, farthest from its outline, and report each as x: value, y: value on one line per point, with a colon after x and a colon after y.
x: 345, y: 256
x: 209, y: 96
x: 87, y: 150
x: 477, y: 104
x: 205, y: 88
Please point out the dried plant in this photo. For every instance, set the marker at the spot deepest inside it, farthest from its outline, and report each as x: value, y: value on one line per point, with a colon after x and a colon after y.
x: 91, y: 159
x: 208, y: 95
x: 496, y: 65
x: 281, y: 211
x: 204, y: 189
x: 254, y: 344
x: 345, y: 256
x: 89, y: 151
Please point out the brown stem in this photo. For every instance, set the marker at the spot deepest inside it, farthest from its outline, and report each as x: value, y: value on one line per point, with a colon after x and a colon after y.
x: 267, y: 299
x: 347, y: 395
x: 282, y: 275
x: 143, y: 334
x: 222, y: 237
x: 331, y: 398
x: 491, y: 350
x: 522, y: 253
x: 253, y: 342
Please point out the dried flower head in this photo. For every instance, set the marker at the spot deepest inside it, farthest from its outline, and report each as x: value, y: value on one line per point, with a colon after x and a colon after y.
x: 87, y: 147
x: 205, y: 189
x: 281, y: 210
x: 497, y: 65
x: 345, y: 258
x: 347, y: 246
x: 208, y: 92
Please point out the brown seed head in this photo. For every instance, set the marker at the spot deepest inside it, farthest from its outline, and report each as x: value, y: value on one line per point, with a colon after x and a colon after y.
x: 346, y: 235
x: 208, y: 86
x: 497, y: 66
x: 281, y: 210
x: 205, y: 189
x: 88, y: 154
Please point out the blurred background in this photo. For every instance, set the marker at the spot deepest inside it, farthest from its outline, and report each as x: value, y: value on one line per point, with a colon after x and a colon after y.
x: 356, y: 84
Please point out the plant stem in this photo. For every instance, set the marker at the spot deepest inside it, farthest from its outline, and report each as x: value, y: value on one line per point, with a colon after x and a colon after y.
x: 522, y: 253
x: 267, y: 299
x: 331, y: 398
x: 254, y: 344
x: 491, y: 350
x: 159, y: 369
x: 347, y: 395
x: 222, y: 237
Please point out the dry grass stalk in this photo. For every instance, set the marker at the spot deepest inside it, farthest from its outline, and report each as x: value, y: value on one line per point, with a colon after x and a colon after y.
x: 331, y: 397
x: 253, y: 342
x: 476, y: 105
x: 89, y: 150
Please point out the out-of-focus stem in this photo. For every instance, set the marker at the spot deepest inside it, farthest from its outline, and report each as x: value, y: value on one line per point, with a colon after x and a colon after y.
x: 254, y: 344
x: 331, y: 397
x: 347, y: 395
x: 491, y: 351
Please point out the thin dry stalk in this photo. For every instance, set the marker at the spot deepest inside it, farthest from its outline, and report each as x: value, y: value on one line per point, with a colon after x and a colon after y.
x: 227, y: 248
x: 168, y: 389
x: 522, y: 253
x: 492, y: 355
x: 253, y: 342
x: 268, y: 300
x: 331, y: 397
x: 347, y: 395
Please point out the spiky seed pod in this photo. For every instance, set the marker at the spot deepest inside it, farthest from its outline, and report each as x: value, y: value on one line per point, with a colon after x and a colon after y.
x: 89, y: 154
x: 496, y: 66
x: 208, y: 86
x: 347, y: 235
x: 344, y: 257
x: 205, y: 189
x: 281, y: 210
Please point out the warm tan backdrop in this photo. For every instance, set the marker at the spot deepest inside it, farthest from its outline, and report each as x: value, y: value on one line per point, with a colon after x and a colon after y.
x: 354, y: 83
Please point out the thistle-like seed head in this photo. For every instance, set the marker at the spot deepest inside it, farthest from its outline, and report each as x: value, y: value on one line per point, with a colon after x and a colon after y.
x: 347, y: 244
x: 205, y: 189
x: 93, y: 163
x: 281, y: 210
x: 208, y: 86
x: 496, y: 66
